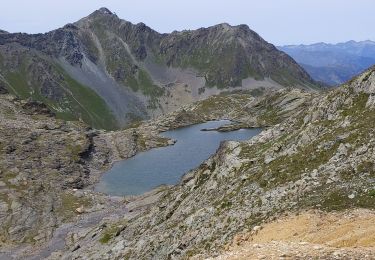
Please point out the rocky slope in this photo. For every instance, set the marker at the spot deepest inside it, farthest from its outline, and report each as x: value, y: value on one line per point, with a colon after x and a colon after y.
x: 49, y: 165
x: 45, y: 163
x: 321, y: 157
x: 109, y: 72
x: 317, y: 153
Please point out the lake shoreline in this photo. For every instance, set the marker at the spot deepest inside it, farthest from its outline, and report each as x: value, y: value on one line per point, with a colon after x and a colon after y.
x: 102, y: 186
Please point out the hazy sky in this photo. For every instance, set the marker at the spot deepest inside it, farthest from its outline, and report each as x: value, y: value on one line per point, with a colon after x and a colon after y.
x: 277, y: 21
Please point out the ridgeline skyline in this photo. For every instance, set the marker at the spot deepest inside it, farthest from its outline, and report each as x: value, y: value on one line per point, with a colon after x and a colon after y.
x: 281, y: 23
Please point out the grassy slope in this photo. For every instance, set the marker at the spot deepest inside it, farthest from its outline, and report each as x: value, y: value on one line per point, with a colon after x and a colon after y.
x: 79, y: 101
x: 290, y: 168
x: 89, y: 106
x: 119, y: 65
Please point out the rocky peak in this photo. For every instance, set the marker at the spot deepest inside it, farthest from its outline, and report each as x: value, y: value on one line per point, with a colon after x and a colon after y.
x: 3, y: 32
x: 102, y: 12
x: 224, y: 26
x: 105, y: 10
x: 227, y: 33
x: 227, y: 26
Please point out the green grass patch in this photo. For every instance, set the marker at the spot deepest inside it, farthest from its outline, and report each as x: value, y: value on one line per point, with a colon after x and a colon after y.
x: 19, y: 83
x: 78, y: 101
x: 112, y: 231
x: 269, y: 117
x: 68, y: 205
x: 217, y: 65
x: 359, y: 104
x: 74, y: 150
x: 88, y: 105
x: 339, y: 200
x: 366, y: 166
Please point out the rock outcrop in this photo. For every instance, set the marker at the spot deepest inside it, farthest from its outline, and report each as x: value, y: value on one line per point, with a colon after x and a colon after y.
x: 45, y: 164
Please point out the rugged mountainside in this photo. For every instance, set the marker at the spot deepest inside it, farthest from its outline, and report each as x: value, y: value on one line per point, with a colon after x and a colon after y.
x: 109, y: 72
x: 318, y: 153
x: 45, y: 164
x: 320, y: 157
x: 49, y: 165
x: 333, y: 64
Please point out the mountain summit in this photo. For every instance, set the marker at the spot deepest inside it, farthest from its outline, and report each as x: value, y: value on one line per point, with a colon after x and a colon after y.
x: 105, y: 10
x: 110, y: 72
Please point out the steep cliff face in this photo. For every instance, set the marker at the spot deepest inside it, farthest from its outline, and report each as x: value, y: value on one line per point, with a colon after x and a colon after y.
x: 321, y: 157
x: 110, y: 72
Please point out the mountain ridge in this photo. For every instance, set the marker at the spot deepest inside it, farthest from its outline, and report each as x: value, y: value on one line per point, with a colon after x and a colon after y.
x: 333, y: 64
x: 331, y: 44
x: 145, y: 73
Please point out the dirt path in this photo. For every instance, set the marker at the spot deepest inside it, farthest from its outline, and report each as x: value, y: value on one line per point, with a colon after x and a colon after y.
x: 58, y: 240
x: 310, y: 235
x: 115, y: 209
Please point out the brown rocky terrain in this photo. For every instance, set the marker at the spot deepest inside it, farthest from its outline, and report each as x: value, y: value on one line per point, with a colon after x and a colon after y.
x: 309, y: 235
x: 319, y: 157
x: 316, y: 153
x: 49, y: 165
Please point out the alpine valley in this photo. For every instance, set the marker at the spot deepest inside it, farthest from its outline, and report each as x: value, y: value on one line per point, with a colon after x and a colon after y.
x: 78, y: 99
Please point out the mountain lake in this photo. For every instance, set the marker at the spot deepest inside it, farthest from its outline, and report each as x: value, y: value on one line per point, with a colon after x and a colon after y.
x: 166, y: 165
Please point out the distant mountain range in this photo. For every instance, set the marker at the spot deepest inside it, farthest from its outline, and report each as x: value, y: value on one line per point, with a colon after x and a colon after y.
x: 333, y: 64
x: 110, y: 72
